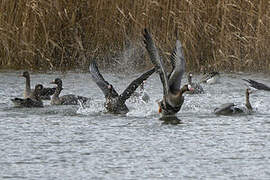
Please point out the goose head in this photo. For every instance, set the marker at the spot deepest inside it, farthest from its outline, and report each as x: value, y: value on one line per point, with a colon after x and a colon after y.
x: 57, y: 81
x: 25, y: 74
x: 189, y: 78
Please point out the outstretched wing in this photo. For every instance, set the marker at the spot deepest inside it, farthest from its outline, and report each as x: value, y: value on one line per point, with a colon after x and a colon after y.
x: 135, y: 84
x: 179, y: 64
x: 172, y: 61
x: 156, y: 60
x: 100, y: 81
x: 257, y: 85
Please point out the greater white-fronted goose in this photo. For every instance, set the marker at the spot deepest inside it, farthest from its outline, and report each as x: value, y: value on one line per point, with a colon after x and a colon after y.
x: 69, y: 99
x: 197, y: 88
x: 211, y: 77
x: 231, y: 108
x: 115, y: 103
x: 172, y: 91
x: 257, y: 85
x: 28, y: 92
x: 33, y: 101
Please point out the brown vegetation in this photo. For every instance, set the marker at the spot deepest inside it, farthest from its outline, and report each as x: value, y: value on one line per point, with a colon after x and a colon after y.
x: 227, y: 35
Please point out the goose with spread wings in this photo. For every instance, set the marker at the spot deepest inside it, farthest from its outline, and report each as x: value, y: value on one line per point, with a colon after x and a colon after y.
x: 172, y: 92
x: 115, y: 103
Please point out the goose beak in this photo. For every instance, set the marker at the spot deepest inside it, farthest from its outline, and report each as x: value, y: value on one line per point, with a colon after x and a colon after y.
x: 52, y: 82
x: 159, y: 109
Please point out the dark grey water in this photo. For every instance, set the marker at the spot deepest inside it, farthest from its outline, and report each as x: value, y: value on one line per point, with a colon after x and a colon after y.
x: 69, y: 142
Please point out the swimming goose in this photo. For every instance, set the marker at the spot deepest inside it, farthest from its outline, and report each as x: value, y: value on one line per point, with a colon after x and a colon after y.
x: 257, y: 85
x: 115, y: 103
x: 211, y: 77
x: 34, y: 101
x: 197, y: 88
x: 28, y: 93
x: 231, y: 108
x: 69, y: 99
x: 172, y: 93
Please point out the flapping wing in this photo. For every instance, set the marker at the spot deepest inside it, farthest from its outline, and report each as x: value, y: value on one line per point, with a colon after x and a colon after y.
x: 257, y: 85
x: 172, y: 61
x: 179, y: 69
x: 135, y: 84
x: 100, y: 81
x: 156, y: 60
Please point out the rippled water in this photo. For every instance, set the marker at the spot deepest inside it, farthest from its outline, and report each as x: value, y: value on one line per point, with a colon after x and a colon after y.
x: 69, y: 142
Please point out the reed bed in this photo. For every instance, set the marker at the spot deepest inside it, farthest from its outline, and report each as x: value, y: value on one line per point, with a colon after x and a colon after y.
x: 228, y: 35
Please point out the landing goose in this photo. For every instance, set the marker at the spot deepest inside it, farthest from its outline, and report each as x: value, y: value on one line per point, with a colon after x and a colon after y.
x: 115, y: 103
x: 172, y: 92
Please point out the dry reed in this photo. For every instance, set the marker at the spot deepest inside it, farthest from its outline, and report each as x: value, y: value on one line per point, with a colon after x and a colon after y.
x: 230, y: 35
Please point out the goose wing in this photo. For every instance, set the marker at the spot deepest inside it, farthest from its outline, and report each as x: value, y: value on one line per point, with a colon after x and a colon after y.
x: 156, y: 60
x: 135, y: 84
x: 100, y: 81
x: 179, y: 64
x: 172, y: 61
x: 224, y: 108
x: 257, y: 85
x: 47, y: 91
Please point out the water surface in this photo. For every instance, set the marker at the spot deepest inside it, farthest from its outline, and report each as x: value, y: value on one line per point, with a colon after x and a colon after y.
x: 69, y: 142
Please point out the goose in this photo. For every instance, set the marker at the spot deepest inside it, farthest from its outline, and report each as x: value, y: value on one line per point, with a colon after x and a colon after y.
x: 257, y: 85
x: 34, y: 101
x: 197, y: 88
x: 211, y: 77
x: 69, y: 99
x: 231, y: 108
x: 172, y: 92
x: 28, y: 92
x: 115, y: 103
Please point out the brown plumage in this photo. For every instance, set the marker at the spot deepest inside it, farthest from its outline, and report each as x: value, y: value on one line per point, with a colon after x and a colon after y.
x: 231, y: 108
x: 69, y: 99
x: 172, y: 93
x: 116, y: 103
x: 28, y: 92
x: 33, y: 101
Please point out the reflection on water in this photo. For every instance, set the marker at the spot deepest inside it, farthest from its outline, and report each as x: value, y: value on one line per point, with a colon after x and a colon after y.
x: 73, y: 142
x: 173, y: 120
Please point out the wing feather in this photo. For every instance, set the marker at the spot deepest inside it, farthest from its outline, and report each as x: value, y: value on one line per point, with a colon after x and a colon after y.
x: 156, y: 60
x: 100, y: 81
x: 179, y: 67
x: 135, y: 84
